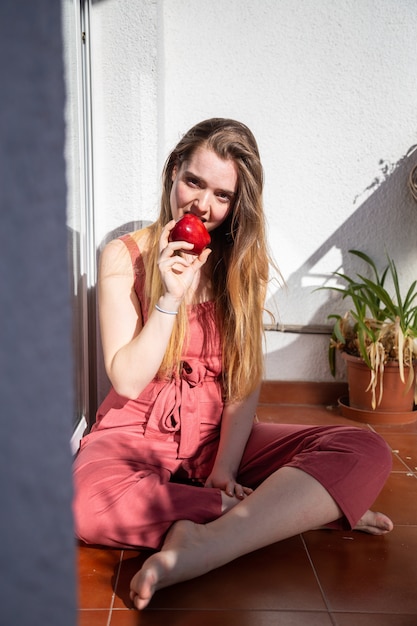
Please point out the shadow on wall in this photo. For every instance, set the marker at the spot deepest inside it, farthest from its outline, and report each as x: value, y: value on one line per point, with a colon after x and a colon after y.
x: 89, y: 376
x: 385, y: 223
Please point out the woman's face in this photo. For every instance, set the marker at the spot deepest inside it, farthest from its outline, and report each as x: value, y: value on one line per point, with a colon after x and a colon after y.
x: 205, y: 185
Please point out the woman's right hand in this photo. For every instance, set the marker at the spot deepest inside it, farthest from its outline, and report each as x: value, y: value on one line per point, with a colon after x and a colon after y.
x: 178, y: 271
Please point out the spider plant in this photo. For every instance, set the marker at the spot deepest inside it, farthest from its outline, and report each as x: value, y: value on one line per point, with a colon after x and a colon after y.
x: 380, y: 327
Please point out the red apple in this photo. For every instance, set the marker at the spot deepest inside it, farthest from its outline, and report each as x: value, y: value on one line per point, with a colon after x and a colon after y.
x: 191, y: 229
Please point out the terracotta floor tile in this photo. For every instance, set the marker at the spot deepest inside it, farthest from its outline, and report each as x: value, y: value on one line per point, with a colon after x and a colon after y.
x: 398, y: 465
x: 373, y: 619
x: 132, y: 561
x: 96, y: 573
x: 299, y: 414
x: 131, y: 617
x: 362, y: 573
x: 398, y: 428
x: 267, y: 579
x: 93, y: 617
x: 219, y: 618
x: 405, y: 445
x: 398, y: 498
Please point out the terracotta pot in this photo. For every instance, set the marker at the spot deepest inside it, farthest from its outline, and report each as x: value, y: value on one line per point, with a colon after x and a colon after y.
x: 394, y: 398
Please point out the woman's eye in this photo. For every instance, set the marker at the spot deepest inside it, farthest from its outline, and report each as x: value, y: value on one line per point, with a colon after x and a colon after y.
x: 223, y: 197
x: 193, y: 182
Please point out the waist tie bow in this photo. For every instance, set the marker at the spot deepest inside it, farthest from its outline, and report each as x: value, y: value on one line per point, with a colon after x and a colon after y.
x: 176, y: 409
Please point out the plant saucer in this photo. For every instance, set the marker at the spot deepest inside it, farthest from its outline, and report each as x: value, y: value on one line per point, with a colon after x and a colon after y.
x: 375, y: 417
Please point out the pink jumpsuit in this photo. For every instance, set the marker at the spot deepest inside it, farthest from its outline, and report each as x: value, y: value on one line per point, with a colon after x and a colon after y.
x: 142, y: 466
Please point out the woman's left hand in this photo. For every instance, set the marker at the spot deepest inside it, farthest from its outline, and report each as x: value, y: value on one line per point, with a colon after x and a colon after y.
x: 229, y: 485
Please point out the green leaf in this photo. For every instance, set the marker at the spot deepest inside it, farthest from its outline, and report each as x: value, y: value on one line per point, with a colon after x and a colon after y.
x: 332, y: 360
x: 367, y: 259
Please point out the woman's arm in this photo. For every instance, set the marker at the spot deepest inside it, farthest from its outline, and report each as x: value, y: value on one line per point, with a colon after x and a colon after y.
x: 132, y: 353
x: 237, y: 422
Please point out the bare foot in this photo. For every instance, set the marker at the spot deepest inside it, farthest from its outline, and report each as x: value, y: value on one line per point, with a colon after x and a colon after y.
x: 374, y: 523
x: 184, y: 555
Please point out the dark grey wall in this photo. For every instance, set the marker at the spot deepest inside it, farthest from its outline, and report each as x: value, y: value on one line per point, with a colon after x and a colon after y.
x: 36, y: 535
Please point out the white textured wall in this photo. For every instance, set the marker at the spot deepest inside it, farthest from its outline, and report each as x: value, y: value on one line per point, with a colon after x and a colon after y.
x: 125, y: 112
x: 329, y: 88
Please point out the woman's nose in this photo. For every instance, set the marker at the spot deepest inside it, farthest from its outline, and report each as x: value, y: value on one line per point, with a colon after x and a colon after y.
x: 202, y: 201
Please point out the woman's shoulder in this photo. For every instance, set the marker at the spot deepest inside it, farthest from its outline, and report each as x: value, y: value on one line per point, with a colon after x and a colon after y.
x: 142, y: 238
x: 117, y: 255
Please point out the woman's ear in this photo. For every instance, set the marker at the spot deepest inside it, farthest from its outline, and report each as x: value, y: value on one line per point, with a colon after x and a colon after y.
x: 174, y: 173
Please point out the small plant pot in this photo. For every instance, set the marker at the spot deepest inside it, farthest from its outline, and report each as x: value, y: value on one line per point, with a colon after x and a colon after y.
x: 395, y: 398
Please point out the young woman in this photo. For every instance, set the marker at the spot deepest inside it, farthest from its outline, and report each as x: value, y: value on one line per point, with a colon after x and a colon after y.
x: 176, y: 461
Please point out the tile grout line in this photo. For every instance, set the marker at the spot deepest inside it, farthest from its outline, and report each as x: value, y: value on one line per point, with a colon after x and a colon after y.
x: 116, y: 582
x: 317, y: 579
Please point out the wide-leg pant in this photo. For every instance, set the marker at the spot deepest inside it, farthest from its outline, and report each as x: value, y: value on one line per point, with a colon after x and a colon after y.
x: 129, y: 496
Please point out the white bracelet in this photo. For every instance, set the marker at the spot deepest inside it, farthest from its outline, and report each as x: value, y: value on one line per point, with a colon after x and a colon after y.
x: 158, y: 308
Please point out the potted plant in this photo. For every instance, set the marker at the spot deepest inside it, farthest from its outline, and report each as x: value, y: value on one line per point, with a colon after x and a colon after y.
x: 379, y: 336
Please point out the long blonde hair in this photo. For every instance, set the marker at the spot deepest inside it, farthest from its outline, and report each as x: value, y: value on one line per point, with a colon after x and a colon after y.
x: 239, y: 260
